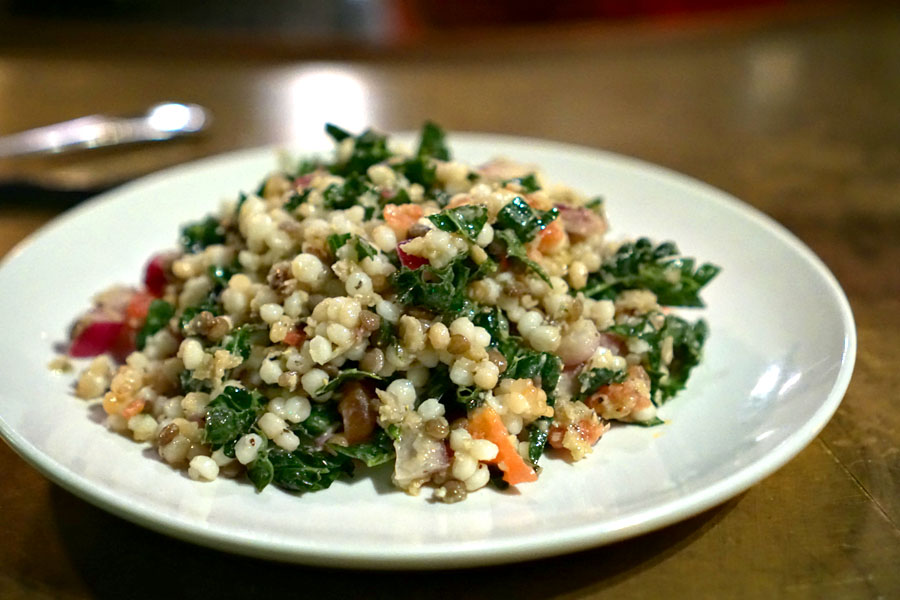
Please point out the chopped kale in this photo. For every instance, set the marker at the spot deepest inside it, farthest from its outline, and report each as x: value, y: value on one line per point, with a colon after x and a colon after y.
x: 232, y: 414
x: 340, y: 197
x: 240, y: 339
x: 687, y: 347
x: 524, y: 363
x: 369, y: 148
x: 363, y: 249
x: 158, y: 316
x: 220, y: 275
x: 260, y: 471
x: 592, y: 380
x: 323, y: 417
x: 468, y: 220
x: 438, y: 383
x: 641, y: 265
x: 200, y: 234
x: 537, y: 439
x: 496, y: 478
x: 419, y: 170
x: 242, y: 197
x: 439, y: 290
x: 519, y: 217
x: 307, y: 166
x: 494, y: 321
x: 296, y: 199
x: 336, y: 241
x: 469, y: 396
x: 528, y: 183
x: 343, y: 377
x: 377, y: 451
x: 432, y: 142
x: 336, y: 133
x: 385, y: 336
x: 306, y: 469
x: 210, y: 304
x: 516, y: 249
x: 189, y: 384
x: 596, y: 203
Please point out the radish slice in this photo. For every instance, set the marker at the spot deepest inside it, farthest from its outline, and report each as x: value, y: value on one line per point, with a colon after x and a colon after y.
x: 96, y: 338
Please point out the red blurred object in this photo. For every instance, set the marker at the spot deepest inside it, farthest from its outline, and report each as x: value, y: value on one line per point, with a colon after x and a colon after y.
x: 408, y: 260
x: 96, y: 338
x: 155, y: 275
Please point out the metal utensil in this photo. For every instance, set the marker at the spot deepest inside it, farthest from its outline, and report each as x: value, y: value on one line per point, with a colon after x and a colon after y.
x: 161, y: 122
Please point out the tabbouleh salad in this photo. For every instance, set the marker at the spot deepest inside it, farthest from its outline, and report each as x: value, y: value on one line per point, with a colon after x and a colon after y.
x: 393, y: 306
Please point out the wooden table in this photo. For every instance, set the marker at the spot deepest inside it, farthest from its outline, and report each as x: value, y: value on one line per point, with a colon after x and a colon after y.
x: 799, y: 117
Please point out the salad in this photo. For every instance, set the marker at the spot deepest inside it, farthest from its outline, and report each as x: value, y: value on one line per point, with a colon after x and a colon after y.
x: 393, y: 306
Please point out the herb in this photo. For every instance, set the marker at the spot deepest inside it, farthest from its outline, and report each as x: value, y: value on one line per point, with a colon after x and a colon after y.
x: 538, y: 432
x: 231, y: 414
x: 343, y: 377
x: 260, y: 471
x: 524, y: 363
x: 346, y: 195
x: 438, y: 382
x: 239, y: 340
x: 377, y: 451
x: 438, y: 290
x: 209, y: 305
x: 651, y: 423
x: 296, y: 199
x: 322, y: 418
x: 528, y: 183
x: 158, y: 316
x: 242, y: 197
x: 369, y: 148
x: 385, y: 336
x: 520, y: 218
x: 200, y: 234
x: 468, y: 220
x: 640, y: 265
x: 592, y: 380
x: 432, y: 142
x: 419, y: 170
x: 595, y: 204
x: 494, y: 321
x: 307, y: 470
x: 516, y: 249
x: 306, y: 166
x: 336, y: 241
x: 687, y: 347
x: 496, y: 478
x: 190, y: 384
x: 469, y: 396
x: 363, y: 249
x: 401, y: 196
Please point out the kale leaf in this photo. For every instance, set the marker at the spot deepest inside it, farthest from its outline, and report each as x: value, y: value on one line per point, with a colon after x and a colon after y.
x: 346, y: 195
x: 306, y: 469
x: 524, y: 363
x: 468, y: 220
x: 240, y: 339
x: 419, y: 170
x: 494, y: 321
x: 687, y: 348
x: 260, y: 471
x: 538, y: 432
x: 343, y: 377
x: 528, y: 183
x: 231, y: 414
x: 590, y: 381
x: 439, y: 290
x: 198, y: 235
x: 296, y: 199
x: 158, y: 316
x: 516, y: 249
x: 369, y: 148
x: 323, y: 417
x: 377, y: 451
x: 641, y: 265
x: 432, y: 142
x: 519, y: 217
x: 336, y: 241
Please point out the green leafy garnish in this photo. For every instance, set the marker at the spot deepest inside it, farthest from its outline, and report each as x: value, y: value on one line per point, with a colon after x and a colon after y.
x: 220, y: 275
x: 232, y: 414
x: 469, y: 396
x: 641, y: 265
x: 363, y: 249
x: 419, y: 170
x: 323, y: 417
x: 519, y: 217
x: 336, y: 133
x: 260, y: 471
x: 687, y: 348
x: 432, y: 142
x: 200, y: 234
x: 343, y: 377
x: 524, y: 363
x: 158, y: 316
x: 336, y: 241
x: 592, y: 380
x: 306, y: 469
x: 439, y: 290
x: 537, y: 439
x: 346, y: 195
x: 369, y: 148
x: 239, y: 340
x: 377, y: 451
x: 468, y: 220
x: 494, y: 321
x: 528, y: 183
x: 516, y: 249
x: 296, y: 199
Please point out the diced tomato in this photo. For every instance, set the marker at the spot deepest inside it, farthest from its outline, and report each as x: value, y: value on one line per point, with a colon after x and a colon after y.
x: 96, y: 338
x: 410, y: 261
x: 155, y: 275
x: 136, y: 312
x: 485, y: 423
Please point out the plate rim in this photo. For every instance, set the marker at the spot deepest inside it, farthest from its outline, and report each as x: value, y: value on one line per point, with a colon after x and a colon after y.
x: 468, y: 553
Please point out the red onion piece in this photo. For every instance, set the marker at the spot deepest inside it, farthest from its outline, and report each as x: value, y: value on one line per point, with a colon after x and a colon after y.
x: 410, y: 261
x: 96, y: 338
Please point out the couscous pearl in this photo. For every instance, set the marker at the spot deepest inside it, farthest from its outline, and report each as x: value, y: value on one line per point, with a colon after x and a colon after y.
x: 313, y: 380
x: 287, y: 440
x: 403, y: 390
x: 320, y: 349
x: 203, y: 467
x: 247, y: 448
x: 545, y: 338
x: 191, y: 353
x: 307, y: 268
x: 439, y: 336
x: 464, y: 466
x: 270, y: 371
x: 479, y: 479
x: 296, y: 409
x: 486, y: 375
x: 271, y: 312
x: 271, y: 424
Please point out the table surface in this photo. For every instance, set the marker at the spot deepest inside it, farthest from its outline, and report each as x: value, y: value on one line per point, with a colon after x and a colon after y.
x: 797, y: 115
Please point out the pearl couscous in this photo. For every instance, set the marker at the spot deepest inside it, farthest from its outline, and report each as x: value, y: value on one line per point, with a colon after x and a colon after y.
x: 393, y: 306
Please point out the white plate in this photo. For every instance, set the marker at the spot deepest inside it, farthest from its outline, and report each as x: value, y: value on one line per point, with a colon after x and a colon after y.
x: 777, y: 364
